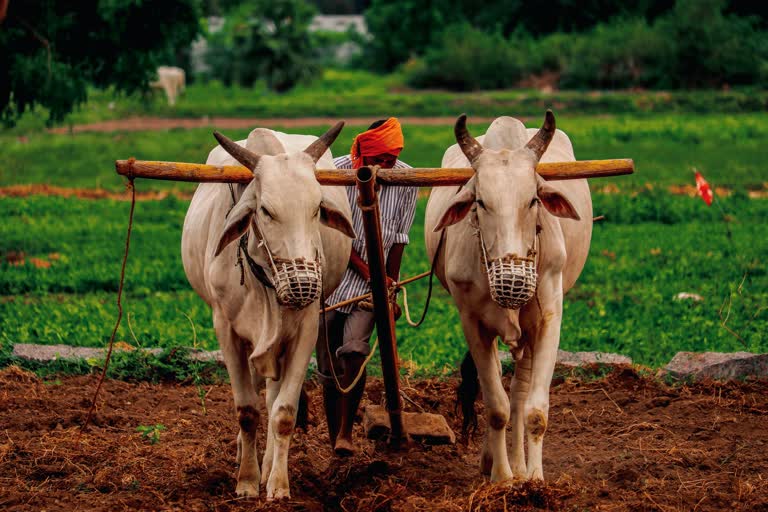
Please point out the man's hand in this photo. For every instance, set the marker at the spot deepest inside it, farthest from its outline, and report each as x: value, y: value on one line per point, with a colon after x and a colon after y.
x: 396, y: 311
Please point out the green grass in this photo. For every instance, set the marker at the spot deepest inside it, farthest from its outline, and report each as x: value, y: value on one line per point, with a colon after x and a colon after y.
x: 728, y: 149
x: 360, y: 93
x: 654, y: 246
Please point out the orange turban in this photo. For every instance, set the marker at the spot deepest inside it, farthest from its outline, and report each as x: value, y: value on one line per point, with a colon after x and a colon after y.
x: 387, y: 138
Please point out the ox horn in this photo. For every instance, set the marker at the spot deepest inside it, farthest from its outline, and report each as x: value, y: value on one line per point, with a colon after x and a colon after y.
x: 321, y: 145
x: 238, y: 152
x: 471, y: 148
x: 539, y: 142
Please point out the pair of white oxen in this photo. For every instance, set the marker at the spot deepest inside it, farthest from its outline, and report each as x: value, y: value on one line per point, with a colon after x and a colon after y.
x: 504, y: 228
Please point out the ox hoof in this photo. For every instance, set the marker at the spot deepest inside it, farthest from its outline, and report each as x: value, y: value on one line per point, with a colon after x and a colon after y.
x: 536, y: 474
x: 247, y: 490
x: 344, y: 447
x: 507, y: 482
x: 278, y: 494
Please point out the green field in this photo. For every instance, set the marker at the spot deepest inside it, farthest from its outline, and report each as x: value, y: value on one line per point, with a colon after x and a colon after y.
x: 361, y: 93
x: 728, y: 149
x: 659, y: 246
x: 652, y: 246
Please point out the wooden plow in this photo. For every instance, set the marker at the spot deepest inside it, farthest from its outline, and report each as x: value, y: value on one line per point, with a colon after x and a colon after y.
x: 429, y: 427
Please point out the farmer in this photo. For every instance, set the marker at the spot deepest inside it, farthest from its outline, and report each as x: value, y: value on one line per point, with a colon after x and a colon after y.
x: 350, y: 327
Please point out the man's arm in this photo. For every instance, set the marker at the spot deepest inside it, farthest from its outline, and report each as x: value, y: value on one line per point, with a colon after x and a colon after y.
x: 394, y: 260
x: 360, y: 266
x: 392, y: 265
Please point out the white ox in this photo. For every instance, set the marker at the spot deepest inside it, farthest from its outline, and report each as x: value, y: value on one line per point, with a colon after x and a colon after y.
x: 505, y: 204
x: 171, y: 80
x: 286, y: 211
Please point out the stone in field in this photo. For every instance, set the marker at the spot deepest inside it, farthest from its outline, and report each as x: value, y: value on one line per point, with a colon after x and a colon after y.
x: 717, y: 365
x: 575, y: 359
x: 566, y: 358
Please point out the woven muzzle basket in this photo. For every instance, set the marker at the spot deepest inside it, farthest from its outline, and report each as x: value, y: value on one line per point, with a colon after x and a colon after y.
x: 297, y: 282
x: 512, y: 280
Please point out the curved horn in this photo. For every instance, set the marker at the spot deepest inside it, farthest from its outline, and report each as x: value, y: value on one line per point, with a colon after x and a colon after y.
x: 539, y: 142
x: 471, y: 148
x: 321, y: 145
x: 238, y: 152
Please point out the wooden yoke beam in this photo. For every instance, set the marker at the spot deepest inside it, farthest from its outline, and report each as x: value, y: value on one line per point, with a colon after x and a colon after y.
x: 417, y: 177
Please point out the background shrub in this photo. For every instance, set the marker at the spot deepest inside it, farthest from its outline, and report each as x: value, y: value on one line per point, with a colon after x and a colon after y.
x: 466, y: 58
x: 696, y: 44
x: 264, y: 39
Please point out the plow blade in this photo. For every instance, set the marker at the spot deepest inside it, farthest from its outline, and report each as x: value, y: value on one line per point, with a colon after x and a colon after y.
x: 423, y: 427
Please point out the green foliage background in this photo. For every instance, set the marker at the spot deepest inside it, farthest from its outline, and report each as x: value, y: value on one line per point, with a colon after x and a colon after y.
x: 696, y: 44
x: 51, y: 52
x: 264, y: 39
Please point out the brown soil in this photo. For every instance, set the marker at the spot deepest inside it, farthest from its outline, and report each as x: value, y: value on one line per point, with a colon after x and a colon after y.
x: 86, y: 193
x: 133, y: 124
x: 624, y: 442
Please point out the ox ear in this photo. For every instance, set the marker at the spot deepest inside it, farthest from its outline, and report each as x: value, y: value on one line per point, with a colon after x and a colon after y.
x: 555, y: 202
x: 460, y: 206
x: 237, y: 223
x: 331, y: 216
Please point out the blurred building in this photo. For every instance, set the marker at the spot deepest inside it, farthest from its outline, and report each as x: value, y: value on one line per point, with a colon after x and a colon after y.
x: 339, y: 23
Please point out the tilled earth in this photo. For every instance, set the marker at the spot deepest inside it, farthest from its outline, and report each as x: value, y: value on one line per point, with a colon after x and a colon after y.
x: 623, y: 442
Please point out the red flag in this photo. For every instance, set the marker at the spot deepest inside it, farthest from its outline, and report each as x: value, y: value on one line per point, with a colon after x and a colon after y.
x: 702, y: 187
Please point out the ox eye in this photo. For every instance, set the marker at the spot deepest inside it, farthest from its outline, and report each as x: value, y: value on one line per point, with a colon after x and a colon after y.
x: 266, y: 213
x: 480, y: 203
x: 534, y: 202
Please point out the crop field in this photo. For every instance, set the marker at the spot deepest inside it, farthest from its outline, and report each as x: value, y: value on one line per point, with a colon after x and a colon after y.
x: 60, y: 257
x: 726, y: 148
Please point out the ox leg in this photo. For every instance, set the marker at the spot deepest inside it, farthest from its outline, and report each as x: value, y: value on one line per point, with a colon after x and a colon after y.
x: 273, y: 388
x: 482, y: 346
x: 236, y: 354
x: 545, y: 343
x: 518, y: 394
x: 282, y: 417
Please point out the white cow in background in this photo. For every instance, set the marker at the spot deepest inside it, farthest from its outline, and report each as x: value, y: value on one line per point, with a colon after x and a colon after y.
x: 299, y: 241
x: 171, y: 80
x: 512, y: 240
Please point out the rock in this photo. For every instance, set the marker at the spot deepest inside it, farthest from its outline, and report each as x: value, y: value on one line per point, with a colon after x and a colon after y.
x: 204, y: 355
x: 45, y: 353
x: 574, y: 359
x: 717, y: 365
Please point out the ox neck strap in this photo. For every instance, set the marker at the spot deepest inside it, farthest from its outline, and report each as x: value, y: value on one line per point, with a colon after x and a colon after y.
x: 242, y: 248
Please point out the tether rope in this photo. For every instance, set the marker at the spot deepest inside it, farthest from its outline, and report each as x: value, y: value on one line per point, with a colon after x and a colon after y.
x: 132, y: 186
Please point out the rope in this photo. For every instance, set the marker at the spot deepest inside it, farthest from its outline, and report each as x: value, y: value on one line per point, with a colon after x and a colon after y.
x: 429, y: 292
x: 119, y: 305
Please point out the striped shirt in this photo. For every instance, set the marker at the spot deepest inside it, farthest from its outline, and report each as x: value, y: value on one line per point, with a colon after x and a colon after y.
x: 398, y: 208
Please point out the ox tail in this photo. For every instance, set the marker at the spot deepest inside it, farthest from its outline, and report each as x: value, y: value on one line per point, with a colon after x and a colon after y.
x: 466, y: 395
x: 302, y: 416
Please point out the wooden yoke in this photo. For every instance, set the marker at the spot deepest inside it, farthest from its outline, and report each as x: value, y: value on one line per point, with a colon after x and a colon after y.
x: 417, y: 177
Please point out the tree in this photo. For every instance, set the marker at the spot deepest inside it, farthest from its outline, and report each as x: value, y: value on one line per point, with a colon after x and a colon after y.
x: 52, y: 51
x: 403, y: 28
x: 266, y: 39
